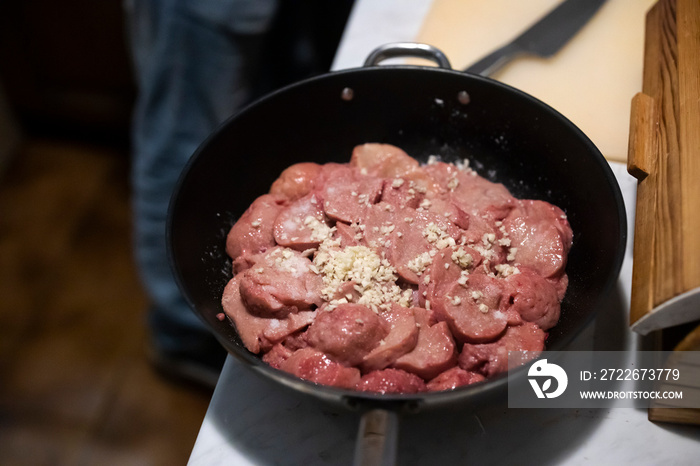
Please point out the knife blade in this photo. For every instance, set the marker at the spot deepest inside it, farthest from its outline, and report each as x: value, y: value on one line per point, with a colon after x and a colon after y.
x: 542, y: 39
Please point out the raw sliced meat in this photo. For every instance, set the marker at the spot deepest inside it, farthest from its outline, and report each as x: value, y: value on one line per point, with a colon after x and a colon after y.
x: 346, y: 194
x: 449, y: 266
x: 533, y: 297
x: 401, y: 193
x: 402, y: 338
x: 424, y: 317
x: 347, y: 234
x: 348, y: 291
x: 473, y: 312
x: 277, y: 355
x: 314, y: 366
x: 260, y: 333
x: 302, y: 224
x: 451, y: 211
x: 423, y: 184
x: 490, y: 241
x: 252, y: 233
x: 541, y: 234
x: 492, y: 358
x: 453, y: 378
x: 296, y: 340
x: 419, y: 235
x: 382, y: 160
x: 435, y: 352
x: 347, y: 334
x: 280, y: 282
x: 378, y: 226
x: 560, y: 283
x: 474, y: 194
x: 391, y: 381
x: 387, y: 268
x: 296, y: 181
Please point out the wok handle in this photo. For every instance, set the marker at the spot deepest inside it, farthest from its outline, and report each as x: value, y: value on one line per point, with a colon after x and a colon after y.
x: 377, y: 439
x: 407, y: 49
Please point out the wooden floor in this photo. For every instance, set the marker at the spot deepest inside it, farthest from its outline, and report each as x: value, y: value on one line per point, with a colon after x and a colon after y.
x: 75, y: 386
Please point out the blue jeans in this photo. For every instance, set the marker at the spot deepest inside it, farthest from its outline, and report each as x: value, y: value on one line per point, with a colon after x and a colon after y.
x: 193, y: 61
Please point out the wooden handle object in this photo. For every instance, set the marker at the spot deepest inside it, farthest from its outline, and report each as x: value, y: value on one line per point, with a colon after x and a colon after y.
x: 664, y: 156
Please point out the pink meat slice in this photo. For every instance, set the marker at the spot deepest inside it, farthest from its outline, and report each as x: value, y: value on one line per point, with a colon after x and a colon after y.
x: 445, y: 271
x: 400, y: 193
x: 279, y: 329
x: 296, y: 181
x: 492, y: 358
x: 474, y: 194
x: 346, y: 290
x: 346, y: 193
x: 533, y: 297
x: 412, y: 242
x: 314, y: 366
x: 442, y: 174
x: 347, y: 334
x: 382, y: 160
x: 277, y: 355
x: 424, y: 317
x: 435, y: 352
x: 347, y: 234
x: 379, y: 224
x: 296, y: 340
x: 280, y: 282
x: 560, y: 283
x: 402, y: 338
x: 451, y: 211
x: 483, y: 235
x: 391, y: 381
x: 541, y: 234
x: 296, y: 225
x: 423, y: 184
x: 453, y: 378
x: 473, y: 312
x: 259, y: 333
x: 478, y: 227
x: 252, y: 233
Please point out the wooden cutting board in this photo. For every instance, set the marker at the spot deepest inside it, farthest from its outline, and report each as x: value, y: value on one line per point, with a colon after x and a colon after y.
x: 591, y: 80
x: 665, y: 158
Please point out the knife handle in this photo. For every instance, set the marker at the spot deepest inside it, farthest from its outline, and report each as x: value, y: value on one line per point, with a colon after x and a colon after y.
x: 495, y: 60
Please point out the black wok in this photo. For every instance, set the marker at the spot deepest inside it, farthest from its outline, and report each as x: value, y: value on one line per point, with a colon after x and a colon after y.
x: 509, y: 136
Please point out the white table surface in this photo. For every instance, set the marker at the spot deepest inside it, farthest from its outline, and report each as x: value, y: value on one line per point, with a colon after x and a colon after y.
x: 252, y: 421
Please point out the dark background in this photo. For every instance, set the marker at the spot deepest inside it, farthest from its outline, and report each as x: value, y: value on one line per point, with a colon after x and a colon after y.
x: 66, y: 70
x: 75, y: 384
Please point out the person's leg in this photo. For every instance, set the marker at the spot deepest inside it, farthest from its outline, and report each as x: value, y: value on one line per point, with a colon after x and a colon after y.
x: 192, y: 67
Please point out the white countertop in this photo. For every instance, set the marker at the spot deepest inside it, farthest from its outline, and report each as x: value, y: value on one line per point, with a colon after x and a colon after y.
x: 252, y: 421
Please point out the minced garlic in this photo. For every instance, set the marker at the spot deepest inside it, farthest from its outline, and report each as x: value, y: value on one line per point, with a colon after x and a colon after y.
x: 506, y: 270
x: 419, y: 263
x: 319, y: 230
x: 437, y: 236
x: 463, y: 278
x: 462, y: 258
x: 453, y: 182
x: 374, y: 277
